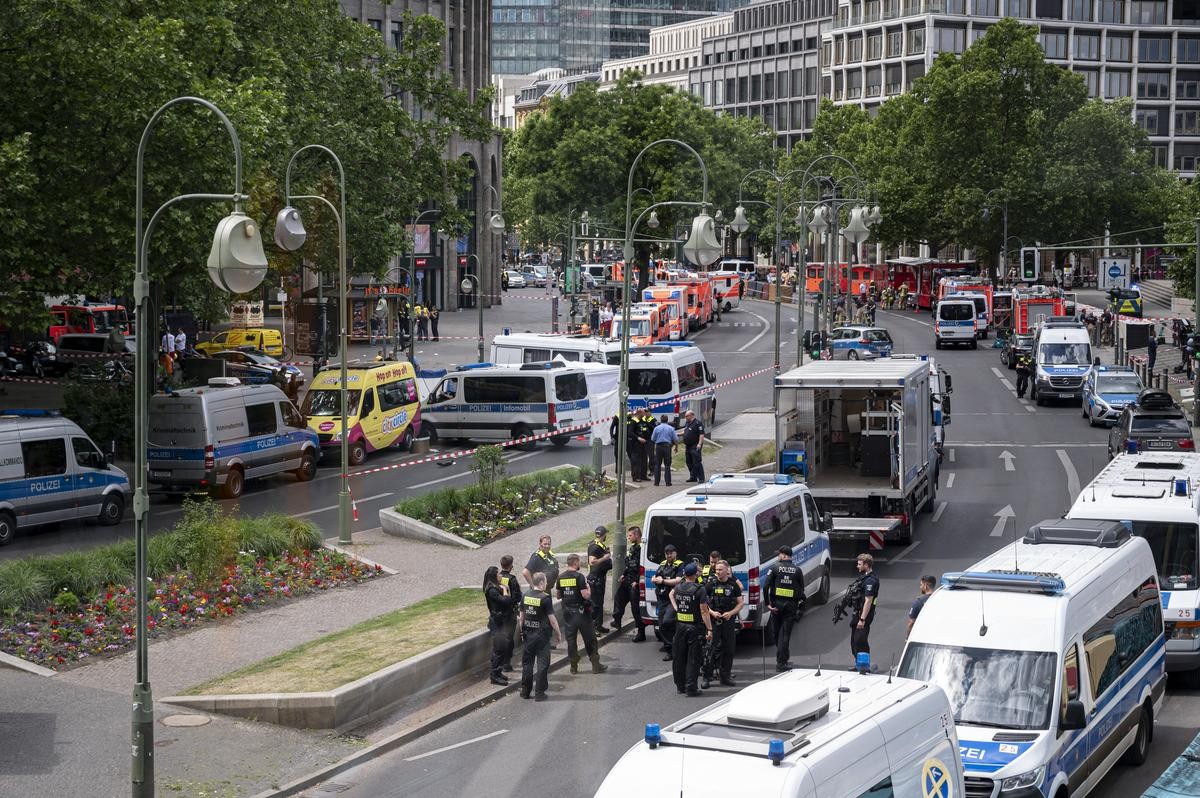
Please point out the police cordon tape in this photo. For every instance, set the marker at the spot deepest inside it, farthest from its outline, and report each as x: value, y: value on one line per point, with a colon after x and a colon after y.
x: 561, y: 431
x: 36, y: 380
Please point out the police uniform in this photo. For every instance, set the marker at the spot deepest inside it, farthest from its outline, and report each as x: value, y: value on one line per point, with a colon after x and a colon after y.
x: 785, y: 592
x: 597, y: 579
x: 709, y: 571
x: 665, y: 629
x: 577, y: 618
x: 633, y: 447
x: 1024, y: 369
x: 536, y: 609
x: 546, y: 563
x: 869, y: 593
x: 500, y: 609
x: 646, y: 425
x: 722, y: 597
x: 693, y: 452
x: 628, y: 592
x: 510, y: 619
x: 690, y: 631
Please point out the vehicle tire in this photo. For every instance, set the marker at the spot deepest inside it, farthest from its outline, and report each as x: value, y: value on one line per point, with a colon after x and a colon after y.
x: 234, y: 482
x: 1136, y: 754
x: 931, y: 502
x: 822, y: 595
x: 8, y: 528
x: 405, y: 442
x: 974, y: 344
x: 937, y: 343
x: 852, y: 354
x: 358, y: 453
x: 560, y: 441
x: 728, y: 306
x: 906, y: 532
x: 112, y: 510
x: 430, y: 432
x: 523, y: 431
x: 307, y: 468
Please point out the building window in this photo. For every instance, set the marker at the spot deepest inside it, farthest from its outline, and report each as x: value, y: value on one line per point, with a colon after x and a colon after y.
x: 916, y: 41
x: 875, y: 47
x: 950, y: 40
x: 1147, y: 13
x: 1091, y: 79
x: 1187, y: 51
x: 1150, y: 119
x: 825, y: 53
x: 1054, y: 42
x: 743, y: 94
x: 376, y: 25
x: 874, y: 82
x: 914, y: 72
x: 1187, y: 85
x: 1119, y: 48
x: 1154, y: 49
x: 768, y: 87
x: 1158, y: 154
x: 1186, y: 156
x: 1111, y: 10
x: 853, y: 84
x: 895, y: 43
x: 1087, y: 46
x: 781, y: 84
x: 978, y: 32
x: 1049, y: 9
x: 1187, y: 123
x: 1080, y: 10
x: 839, y: 49
x: 798, y: 85
x: 730, y: 91
x: 956, y: 6
x: 1116, y: 84
x: 854, y: 50
x: 1017, y: 8
x: 893, y: 77
x: 397, y: 34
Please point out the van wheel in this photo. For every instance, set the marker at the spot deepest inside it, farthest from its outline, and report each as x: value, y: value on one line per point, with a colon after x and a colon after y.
x: 405, y: 442
x: 974, y: 344
x: 430, y: 432
x: 8, y: 528
x: 1136, y: 754
x: 358, y: 453
x: 822, y: 595
x: 728, y: 306
x: 937, y: 343
x: 927, y: 507
x: 112, y: 510
x: 234, y: 482
x: 906, y: 531
x: 523, y: 431
x: 560, y: 441
x: 308, y: 467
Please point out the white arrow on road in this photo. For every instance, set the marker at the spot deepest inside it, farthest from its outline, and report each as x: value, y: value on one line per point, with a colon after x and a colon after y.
x: 1008, y: 458
x: 1002, y: 516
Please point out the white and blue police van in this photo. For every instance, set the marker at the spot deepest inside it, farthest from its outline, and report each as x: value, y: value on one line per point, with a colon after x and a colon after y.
x: 802, y: 734
x: 513, y: 349
x: 218, y: 436
x: 51, y: 471
x: 672, y: 377
x: 747, y: 518
x: 1052, y: 653
x: 1158, y: 496
x: 954, y: 323
x: 1062, y: 354
x: 486, y: 402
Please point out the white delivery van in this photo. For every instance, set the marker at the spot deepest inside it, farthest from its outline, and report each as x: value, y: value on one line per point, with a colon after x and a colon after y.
x: 218, y: 436
x: 672, y: 377
x: 954, y: 323
x: 1052, y: 653
x: 802, y: 734
x: 50, y: 470
x: 940, y: 387
x: 982, y: 315
x: 518, y: 348
x: 486, y: 402
x: 1062, y: 355
x: 1158, y: 495
x: 746, y: 518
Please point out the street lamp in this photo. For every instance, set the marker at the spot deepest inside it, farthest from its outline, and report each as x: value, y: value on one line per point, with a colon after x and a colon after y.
x: 1003, y: 233
x: 465, y: 285
x: 236, y: 262
x: 290, y: 236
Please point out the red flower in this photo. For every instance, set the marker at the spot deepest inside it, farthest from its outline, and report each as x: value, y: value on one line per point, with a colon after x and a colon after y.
x: 88, y: 631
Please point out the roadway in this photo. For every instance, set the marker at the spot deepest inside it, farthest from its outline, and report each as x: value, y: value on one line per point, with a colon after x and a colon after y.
x: 1008, y: 464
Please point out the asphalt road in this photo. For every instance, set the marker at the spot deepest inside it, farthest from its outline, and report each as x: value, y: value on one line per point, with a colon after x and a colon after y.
x: 567, y: 745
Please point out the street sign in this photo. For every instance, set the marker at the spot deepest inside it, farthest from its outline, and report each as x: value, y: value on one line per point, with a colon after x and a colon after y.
x: 1113, y: 273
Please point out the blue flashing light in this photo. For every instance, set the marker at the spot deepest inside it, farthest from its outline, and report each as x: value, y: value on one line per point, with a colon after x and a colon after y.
x: 701, y: 499
x: 472, y: 366
x: 775, y: 751
x: 1181, y: 487
x: 1000, y: 580
x: 862, y: 662
x: 506, y: 331
x: 654, y: 735
x: 1131, y: 446
x: 1128, y: 525
x: 783, y: 479
x: 27, y: 412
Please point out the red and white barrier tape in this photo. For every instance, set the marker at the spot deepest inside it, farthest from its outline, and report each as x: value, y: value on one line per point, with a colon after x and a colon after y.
x: 35, y: 380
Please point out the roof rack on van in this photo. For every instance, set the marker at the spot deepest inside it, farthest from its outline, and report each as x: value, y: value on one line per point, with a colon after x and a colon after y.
x: 549, y: 364
x: 28, y: 412
x: 223, y: 382
x: 728, y: 485
x: 1061, y: 321
x: 1016, y: 581
x: 1078, y: 532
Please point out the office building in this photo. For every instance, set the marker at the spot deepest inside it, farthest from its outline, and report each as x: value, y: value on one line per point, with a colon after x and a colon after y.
x: 674, y: 52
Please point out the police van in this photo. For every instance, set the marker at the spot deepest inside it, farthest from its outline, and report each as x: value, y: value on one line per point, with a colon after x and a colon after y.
x: 487, y: 402
x: 954, y: 323
x: 802, y: 734
x: 1158, y: 496
x: 1062, y: 355
x: 218, y: 436
x: 517, y: 348
x: 746, y: 518
x: 1052, y: 653
x: 50, y: 470
x: 672, y: 377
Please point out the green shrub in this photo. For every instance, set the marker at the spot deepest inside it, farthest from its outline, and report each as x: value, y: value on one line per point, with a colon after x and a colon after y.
x: 162, y: 555
x: 104, y: 411
x: 66, y: 601
x: 209, y: 539
x: 763, y: 454
x: 22, y: 584
x: 115, y: 563
x: 490, y: 468
x: 303, y: 535
x: 265, y: 536
x: 74, y: 571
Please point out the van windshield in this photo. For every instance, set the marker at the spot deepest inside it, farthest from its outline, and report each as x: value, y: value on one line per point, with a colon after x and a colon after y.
x: 955, y: 311
x: 695, y: 535
x: 638, y: 328
x: 324, y: 402
x: 1175, y: 552
x: 649, y: 382
x: 1064, y: 355
x: 987, y: 687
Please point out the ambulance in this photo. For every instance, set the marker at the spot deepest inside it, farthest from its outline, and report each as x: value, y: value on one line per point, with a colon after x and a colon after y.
x: 674, y: 298
x: 383, y: 407
x: 649, y: 323
x: 699, y: 301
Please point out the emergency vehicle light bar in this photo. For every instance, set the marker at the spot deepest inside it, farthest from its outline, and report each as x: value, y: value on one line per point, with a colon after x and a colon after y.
x: 1021, y: 582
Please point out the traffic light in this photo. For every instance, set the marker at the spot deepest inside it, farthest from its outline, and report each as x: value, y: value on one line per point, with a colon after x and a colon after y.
x: 1029, y: 263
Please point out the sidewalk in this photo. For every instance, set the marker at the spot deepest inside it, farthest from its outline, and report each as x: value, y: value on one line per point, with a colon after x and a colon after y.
x: 83, y: 715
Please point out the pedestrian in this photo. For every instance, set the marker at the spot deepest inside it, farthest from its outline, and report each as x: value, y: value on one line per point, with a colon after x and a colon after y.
x: 628, y: 587
x: 537, y: 619
x: 542, y: 561
x: 725, y: 603
x: 599, y: 563
x: 690, y: 603
x: 180, y: 342
x: 666, y: 441
x: 925, y: 588
x: 422, y: 323
x: 668, y: 575
x: 693, y: 446
x: 168, y: 344
x: 510, y: 621
x: 575, y: 594
x: 594, y: 318
x: 499, y: 604
x: 646, y: 425
x: 1189, y: 354
x: 1024, y: 370
x: 606, y: 318
x: 504, y: 280
x: 709, y: 569
x: 864, y: 609
x: 374, y: 327
x: 1151, y: 352
x: 784, y: 593
x: 633, y: 442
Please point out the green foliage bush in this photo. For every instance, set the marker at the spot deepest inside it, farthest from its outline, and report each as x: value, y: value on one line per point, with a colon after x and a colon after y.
x: 104, y: 411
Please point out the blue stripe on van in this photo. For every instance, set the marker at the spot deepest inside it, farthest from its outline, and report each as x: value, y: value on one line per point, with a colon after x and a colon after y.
x: 260, y: 443
x: 33, y: 487
x: 521, y: 407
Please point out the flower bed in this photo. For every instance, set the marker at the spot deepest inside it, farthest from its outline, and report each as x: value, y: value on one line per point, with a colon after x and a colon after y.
x: 69, y: 632
x: 514, y: 504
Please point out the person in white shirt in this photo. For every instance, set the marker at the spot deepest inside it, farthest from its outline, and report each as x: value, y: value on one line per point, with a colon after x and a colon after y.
x: 168, y: 343
x: 180, y: 340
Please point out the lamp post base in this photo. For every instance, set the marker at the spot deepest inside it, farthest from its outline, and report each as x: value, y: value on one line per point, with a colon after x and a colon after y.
x: 143, y: 741
x: 344, y: 517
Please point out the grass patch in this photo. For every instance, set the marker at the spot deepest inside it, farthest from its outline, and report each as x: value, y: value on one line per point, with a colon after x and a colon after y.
x: 580, y: 543
x: 342, y: 657
x: 761, y: 455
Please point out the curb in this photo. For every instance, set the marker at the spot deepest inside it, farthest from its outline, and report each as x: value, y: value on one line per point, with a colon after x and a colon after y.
x: 18, y: 664
x: 331, y: 544
x: 401, y: 526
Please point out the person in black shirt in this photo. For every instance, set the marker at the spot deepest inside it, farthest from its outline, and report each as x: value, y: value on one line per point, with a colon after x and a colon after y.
x: 864, y: 610
x: 599, y: 564
x: 627, y: 589
x: 510, y: 620
x: 646, y: 425
x: 693, y: 627
x: 693, y: 446
x: 710, y: 569
x: 669, y: 574
x: 784, y: 593
x: 537, y: 619
x: 724, y: 603
x: 928, y: 583
x: 573, y: 592
x: 499, y: 604
x: 542, y: 561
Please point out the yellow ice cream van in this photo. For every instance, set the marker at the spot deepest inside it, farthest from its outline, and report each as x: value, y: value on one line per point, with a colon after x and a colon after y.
x: 382, y: 407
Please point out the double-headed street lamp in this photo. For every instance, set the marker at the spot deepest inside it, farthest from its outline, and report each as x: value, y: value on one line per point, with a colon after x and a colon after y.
x: 290, y: 236
x: 466, y: 287
x: 237, y: 264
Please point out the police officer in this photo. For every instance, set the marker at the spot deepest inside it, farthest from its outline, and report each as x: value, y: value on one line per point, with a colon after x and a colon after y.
x: 1024, y: 369
x: 927, y: 585
x: 542, y: 561
x: 537, y: 619
x: 599, y: 564
x: 693, y: 446
x: 784, y: 593
x: 724, y: 603
x: 510, y: 620
x: 633, y: 443
x: 627, y: 589
x: 669, y: 574
x: 709, y: 569
x: 499, y: 604
x: 646, y: 425
x: 693, y: 627
x: 574, y: 593
x: 864, y: 608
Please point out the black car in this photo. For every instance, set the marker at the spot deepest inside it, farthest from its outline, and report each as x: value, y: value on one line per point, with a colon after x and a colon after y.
x: 1015, y: 346
x: 1153, y: 423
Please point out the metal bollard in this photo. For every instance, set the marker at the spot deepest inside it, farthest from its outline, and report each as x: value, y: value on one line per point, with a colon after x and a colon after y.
x: 597, y: 455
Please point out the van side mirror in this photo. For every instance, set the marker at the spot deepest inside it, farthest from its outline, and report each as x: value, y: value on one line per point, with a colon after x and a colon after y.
x: 949, y: 382
x: 108, y: 458
x: 710, y: 376
x: 826, y: 522
x: 1073, y: 717
x: 945, y: 407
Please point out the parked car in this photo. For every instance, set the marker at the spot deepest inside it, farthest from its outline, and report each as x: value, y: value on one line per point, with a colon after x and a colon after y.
x: 534, y: 275
x: 515, y: 279
x: 88, y: 349
x: 256, y: 357
x: 1015, y: 346
x: 860, y: 343
x: 1151, y: 424
x: 34, y: 359
x: 1107, y: 391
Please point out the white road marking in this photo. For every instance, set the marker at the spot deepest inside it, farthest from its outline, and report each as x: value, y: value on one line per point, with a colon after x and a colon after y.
x: 950, y: 480
x: 1007, y: 457
x: 1002, y: 516
x: 651, y: 680
x: 938, y: 512
x: 1030, y: 408
x: 1072, y: 474
x: 457, y: 745
x: 766, y: 329
x: 334, y: 506
x: 950, y: 454
x: 908, y: 549
x: 999, y: 374
x: 1008, y: 384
